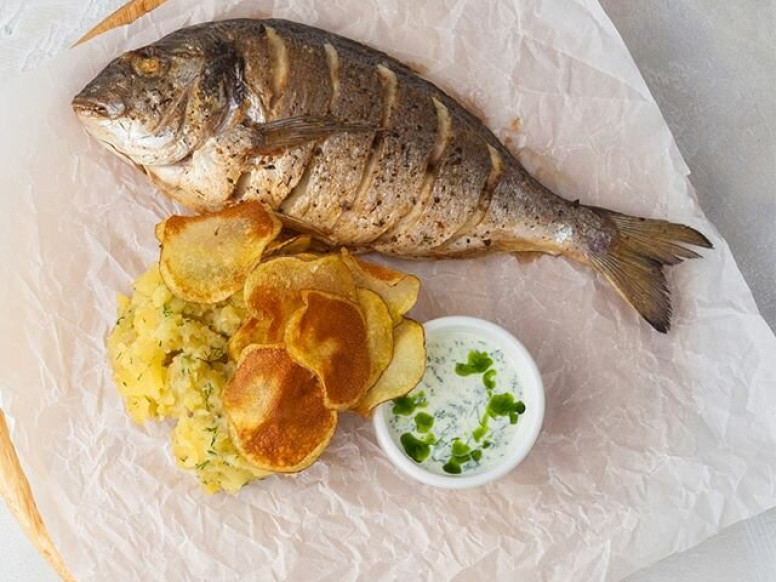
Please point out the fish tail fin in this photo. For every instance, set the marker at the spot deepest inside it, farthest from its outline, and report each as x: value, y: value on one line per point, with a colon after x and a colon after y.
x: 633, y: 263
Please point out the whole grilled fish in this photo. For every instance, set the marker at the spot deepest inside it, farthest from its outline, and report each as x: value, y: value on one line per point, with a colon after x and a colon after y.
x: 346, y: 142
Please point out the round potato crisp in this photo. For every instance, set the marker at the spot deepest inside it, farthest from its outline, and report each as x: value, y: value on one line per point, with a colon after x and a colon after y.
x: 329, y: 336
x: 398, y: 290
x: 273, y: 290
x: 405, y: 370
x: 277, y: 417
x: 379, y: 326
x: 207, y: 258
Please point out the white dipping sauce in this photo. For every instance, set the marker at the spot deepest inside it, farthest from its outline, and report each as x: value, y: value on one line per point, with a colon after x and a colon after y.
x: 459, y: 405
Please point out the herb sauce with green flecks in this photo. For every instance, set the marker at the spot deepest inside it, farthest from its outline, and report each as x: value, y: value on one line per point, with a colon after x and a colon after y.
x: 465, y: 412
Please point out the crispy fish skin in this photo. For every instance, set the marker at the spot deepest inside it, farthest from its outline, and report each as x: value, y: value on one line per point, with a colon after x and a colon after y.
x: 349, y: 144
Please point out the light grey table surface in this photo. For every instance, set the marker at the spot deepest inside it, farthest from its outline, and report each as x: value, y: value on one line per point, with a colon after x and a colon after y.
x: 711, y: 65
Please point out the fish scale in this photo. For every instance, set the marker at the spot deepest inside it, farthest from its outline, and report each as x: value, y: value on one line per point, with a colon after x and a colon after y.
x: 343, y: 141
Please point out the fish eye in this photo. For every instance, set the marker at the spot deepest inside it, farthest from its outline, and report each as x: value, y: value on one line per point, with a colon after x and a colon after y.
x: 147, y: 66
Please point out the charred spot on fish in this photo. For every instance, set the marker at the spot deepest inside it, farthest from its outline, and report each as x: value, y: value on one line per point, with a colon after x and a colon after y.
x: 487, y: 242
x: 437, y: 199
x: 269, y: 167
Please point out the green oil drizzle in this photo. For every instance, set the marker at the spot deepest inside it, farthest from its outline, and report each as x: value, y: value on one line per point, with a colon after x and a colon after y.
x: 461, y: 453
x: 505, y: 405
x: 477, y: 363
x: 459, y: 448
x: 489, y: 379
x: 406, y: 405
x: 423, y: 422
x: 416, y: 449
x: 481, y: 430
x: 452, y: 466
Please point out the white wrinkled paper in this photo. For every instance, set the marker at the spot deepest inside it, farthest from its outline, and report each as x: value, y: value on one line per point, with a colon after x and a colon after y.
x: 651, y: 443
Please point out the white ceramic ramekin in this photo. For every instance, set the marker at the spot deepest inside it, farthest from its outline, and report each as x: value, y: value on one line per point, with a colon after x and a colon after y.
x: 530, y: 422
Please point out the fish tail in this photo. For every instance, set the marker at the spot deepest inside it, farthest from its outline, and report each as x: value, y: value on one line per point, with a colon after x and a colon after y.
x: 633, y: 262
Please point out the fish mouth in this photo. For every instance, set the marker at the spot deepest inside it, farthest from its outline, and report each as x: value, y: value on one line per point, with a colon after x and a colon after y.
x: 100, y: 108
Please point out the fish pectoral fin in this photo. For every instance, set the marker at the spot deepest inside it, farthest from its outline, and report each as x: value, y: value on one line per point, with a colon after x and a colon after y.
x: 276, y: 136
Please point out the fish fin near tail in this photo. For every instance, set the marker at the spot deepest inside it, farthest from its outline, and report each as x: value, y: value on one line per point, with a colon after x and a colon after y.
x: 276, y: 136
x: 634, y: 261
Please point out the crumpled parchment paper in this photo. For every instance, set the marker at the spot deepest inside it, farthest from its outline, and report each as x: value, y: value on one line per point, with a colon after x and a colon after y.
x: 651, y: 443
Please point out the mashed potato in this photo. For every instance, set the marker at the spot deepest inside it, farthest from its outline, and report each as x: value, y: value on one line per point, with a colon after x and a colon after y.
x: 170, y: 360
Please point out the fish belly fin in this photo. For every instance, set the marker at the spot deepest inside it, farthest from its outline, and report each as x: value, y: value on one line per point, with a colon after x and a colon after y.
x: 277, y: 136
x: 633, y: 263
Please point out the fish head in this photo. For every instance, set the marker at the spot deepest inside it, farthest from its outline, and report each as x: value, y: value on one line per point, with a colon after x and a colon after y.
x: 157, y: 104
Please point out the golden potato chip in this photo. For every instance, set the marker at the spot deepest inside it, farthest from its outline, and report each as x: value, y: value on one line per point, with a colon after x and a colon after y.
x: 398, y: 290
x: 328, y: 335
x: 290, y: 246
x: 252, y: 331
x: 276, y: 411
x: 207, y: 258
x: 273, y: 290
x: 405, y: 370
x: 159, y: 230
x: 384, y: 274
x: 379, y: 326
x: 309, y: 256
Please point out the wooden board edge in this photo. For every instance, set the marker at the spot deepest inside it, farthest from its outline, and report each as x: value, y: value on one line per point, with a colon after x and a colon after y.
x: 128, y: 13
x: 15, y: 491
